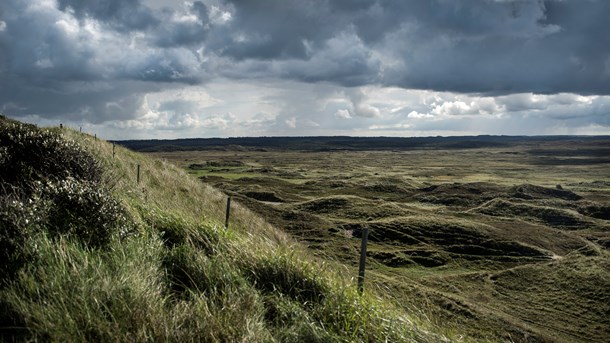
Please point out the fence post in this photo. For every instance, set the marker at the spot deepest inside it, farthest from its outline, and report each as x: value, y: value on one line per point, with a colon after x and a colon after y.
x: 228, y: 212
x: 138, y: 175
x: 365, y: 239
x: 112, y: 150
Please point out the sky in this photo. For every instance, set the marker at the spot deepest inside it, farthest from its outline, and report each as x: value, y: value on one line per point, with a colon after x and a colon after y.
x: 141, y: 69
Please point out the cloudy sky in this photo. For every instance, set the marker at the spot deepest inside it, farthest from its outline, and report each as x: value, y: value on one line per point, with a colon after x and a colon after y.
x: 128, y: 69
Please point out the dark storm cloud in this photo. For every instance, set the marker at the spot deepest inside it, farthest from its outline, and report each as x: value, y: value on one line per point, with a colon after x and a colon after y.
x: 122, y: 49
x: 489, y: 46
x: 122, y: 14
x: 475, y: 46
x: 80, y: 60
x: 82, y: 101
x: 508, y: 46
x: 277, y: 29
x: 183, y: 33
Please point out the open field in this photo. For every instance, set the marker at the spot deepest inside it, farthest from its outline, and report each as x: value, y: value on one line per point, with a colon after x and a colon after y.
x: 509, y: 242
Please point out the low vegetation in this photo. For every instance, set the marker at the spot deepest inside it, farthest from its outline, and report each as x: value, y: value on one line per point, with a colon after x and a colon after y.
x: 504, y: 243
x: 89, y: 254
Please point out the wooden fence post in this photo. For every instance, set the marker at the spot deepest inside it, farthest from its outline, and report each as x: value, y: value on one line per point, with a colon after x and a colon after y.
x: 228, y: 213
x: 365, y: 239
x: 138, y: 175
x: 112, y: 150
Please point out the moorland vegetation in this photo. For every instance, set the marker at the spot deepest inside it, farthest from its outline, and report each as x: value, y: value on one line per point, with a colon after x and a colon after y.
x: 90, y: 254
x: 508, y: 242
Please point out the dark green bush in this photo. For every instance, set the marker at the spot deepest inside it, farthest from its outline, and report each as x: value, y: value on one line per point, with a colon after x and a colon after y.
x: 18, y: 218
x: 83, y: 210
x: 29, y: 154
x: 50, y: 184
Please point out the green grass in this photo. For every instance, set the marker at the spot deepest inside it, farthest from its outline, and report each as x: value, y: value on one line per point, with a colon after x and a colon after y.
x: 178, y: 275
x: 446, y: 224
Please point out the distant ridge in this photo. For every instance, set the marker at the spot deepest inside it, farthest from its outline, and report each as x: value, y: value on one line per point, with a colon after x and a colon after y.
x: 328, y: 143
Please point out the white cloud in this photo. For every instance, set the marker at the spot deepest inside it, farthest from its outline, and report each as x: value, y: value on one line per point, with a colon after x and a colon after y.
x: 417, y: 115
x: 451, y: 108
x: 310, y: 123
x: 343, y: 114
x: 360, y: 103
x: 279, y: 108
x: 366, y: 111
x: 229, y: 108
x: 398, y: 126
x: 219, y: 16
x: 291, y: 122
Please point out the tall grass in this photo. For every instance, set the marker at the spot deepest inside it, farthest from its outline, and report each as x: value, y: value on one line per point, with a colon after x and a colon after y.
x: 178, y: 275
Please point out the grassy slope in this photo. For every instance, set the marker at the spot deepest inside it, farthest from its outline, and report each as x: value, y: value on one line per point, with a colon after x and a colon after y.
x: 181, y: 277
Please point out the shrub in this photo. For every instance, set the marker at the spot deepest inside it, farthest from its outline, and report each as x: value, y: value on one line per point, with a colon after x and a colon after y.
x: 84, y: 210
x: 29, y: 154
x: 17, y: 219
x: 53, y: 185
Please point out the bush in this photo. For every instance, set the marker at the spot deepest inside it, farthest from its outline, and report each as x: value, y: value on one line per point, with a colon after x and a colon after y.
x: 29, y: 154
x: 52, y: 185
x: 18, y: 218
x: 83, y: 210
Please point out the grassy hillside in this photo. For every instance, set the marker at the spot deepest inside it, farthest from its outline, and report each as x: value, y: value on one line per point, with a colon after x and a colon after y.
x: 88, y: 254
